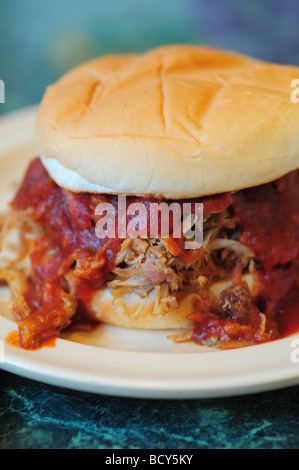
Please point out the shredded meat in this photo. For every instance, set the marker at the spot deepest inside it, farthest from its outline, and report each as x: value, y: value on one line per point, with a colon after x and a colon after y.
x: 143, y: 264
x: 53, y: 316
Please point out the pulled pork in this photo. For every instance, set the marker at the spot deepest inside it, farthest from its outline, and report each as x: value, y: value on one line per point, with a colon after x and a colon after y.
x: 54, y: 262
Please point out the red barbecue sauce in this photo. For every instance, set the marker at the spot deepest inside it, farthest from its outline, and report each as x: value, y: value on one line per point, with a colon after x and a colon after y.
x: 268, y: 215
x: 13, y: 339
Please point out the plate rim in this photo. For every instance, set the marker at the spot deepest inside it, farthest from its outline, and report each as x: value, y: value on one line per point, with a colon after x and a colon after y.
x: 40, y: 366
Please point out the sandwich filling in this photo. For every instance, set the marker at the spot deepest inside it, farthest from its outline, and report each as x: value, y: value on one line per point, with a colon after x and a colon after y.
x: 55, y: 263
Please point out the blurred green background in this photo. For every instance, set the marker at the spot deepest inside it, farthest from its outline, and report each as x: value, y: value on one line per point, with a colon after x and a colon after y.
x: 41, y: 39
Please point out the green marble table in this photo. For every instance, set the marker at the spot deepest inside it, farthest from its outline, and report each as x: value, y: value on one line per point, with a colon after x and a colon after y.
x: 34, y: 415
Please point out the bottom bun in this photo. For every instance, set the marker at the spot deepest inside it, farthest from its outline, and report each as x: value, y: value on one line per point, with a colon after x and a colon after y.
x: 130, y: 310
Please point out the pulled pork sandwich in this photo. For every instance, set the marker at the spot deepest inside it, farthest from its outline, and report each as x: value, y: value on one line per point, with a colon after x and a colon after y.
x: 176, y: 123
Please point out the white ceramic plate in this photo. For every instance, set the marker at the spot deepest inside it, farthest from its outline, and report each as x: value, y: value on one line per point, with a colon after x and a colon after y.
x: 131, y: 363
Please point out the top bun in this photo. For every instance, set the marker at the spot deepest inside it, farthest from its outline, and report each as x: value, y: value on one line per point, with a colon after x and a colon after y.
x: 178, y: 121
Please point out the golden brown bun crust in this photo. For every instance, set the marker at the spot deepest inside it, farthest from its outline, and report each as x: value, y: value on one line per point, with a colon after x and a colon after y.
x: 177, y: 121
x: 132, y: 311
